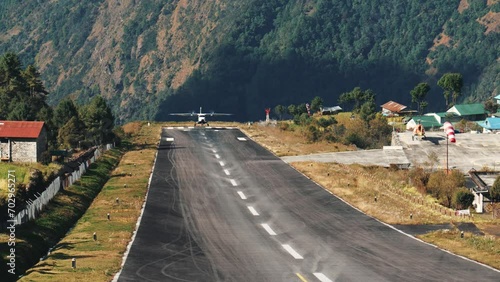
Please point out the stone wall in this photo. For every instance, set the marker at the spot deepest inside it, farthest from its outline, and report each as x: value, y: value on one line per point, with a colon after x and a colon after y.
x: 24, y: 150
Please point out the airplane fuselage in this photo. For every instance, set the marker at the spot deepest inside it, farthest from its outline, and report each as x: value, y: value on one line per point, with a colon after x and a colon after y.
x: 201, y: 119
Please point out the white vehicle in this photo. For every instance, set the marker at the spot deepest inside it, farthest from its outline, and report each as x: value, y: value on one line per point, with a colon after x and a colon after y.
x: 201, y: 116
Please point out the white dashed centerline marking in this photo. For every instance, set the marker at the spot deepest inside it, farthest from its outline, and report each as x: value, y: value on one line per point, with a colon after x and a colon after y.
x: 227, y: 172
x: 222, y: 163
x: 253, y: 211
x: 242, y: 139
x: 214, y: 151
x: 268, y: 229
x: 169, y: 139
x: 322, y: 277
x: 233, y: 182
x: 242, y: 196
x: 291, y: 251
x: 217, y: 156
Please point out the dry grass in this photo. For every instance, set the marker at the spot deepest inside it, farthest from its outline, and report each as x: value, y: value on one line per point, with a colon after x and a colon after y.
x: 484, y: 249
x: 132, y: 128
x: 100, y: 260
x: 395, y: 201
x: 288, y: 143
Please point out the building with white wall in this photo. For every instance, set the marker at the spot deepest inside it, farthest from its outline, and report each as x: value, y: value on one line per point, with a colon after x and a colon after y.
x: 22, y: 141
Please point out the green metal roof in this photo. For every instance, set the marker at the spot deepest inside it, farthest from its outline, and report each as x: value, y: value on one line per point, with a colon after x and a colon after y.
x: 427, y: 121
x: 470, y: 109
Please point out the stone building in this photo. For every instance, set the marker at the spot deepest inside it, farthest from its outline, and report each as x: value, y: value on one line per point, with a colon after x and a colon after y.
x: 22, y: 141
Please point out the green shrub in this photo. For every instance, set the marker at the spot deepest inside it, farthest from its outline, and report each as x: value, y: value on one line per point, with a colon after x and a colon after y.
x: 463, y: 198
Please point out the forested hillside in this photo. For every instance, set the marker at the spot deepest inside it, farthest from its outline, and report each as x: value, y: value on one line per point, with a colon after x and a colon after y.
x: 150, y: 58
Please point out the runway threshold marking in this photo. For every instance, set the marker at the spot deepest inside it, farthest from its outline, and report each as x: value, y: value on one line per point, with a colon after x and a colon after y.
x: 322, y: 277
x: 253, y: 211
x: 292, y: 252
x: 227, y: 172
x: 234, y: 182
x: 268, y: 229
x: 242, y: 196
x: 301, y: 277
x: 222, y: 163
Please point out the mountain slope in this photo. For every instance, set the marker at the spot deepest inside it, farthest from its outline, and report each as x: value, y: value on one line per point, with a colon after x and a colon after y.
x: 153, y: 57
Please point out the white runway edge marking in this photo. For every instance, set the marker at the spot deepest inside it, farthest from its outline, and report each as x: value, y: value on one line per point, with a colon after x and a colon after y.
x: 268, y: 229
x: 217, y: 156
x: 169, y: 139
x: 242, y: 139
x: 291, y: 251
x: 233, y: 182
x: 137, y: 224
x: 222, y: 163
x: 227, y: 172
x: 253, y: 211
x: 322, y: 277
x: 242, y: 196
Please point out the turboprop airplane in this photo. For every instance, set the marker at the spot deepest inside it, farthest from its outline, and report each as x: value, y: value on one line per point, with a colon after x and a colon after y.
x: 201, y: 116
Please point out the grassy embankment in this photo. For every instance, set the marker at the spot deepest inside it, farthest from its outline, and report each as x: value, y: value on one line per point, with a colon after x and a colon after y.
x: 96, y: 260
x: 22, y: 173
x: 33, y: 239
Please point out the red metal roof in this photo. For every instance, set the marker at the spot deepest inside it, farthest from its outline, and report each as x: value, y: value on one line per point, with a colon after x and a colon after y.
x: 393, y: 107
x: 20, y: 129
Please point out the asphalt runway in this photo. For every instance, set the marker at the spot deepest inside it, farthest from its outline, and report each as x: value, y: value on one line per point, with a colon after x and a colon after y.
x: 222, y: 208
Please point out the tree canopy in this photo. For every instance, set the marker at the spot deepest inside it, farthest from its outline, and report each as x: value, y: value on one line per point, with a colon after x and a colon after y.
x: 99, y: 121
x: 362, y: 102
x: 22, y: 94
x: 260, y: 53
x: 452, y: 84
x: 418, y: 95
x: 495, y: 190
x: 23, y: 97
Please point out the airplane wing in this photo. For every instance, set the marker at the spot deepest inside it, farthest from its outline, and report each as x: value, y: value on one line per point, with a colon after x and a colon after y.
x: 183, y: 114
x: 193, y: 113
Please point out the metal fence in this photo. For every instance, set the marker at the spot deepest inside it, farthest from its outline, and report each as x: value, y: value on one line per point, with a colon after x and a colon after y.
x: 35, y: 207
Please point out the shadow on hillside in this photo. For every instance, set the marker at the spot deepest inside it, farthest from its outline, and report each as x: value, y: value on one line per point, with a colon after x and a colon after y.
x: 243, y: 83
